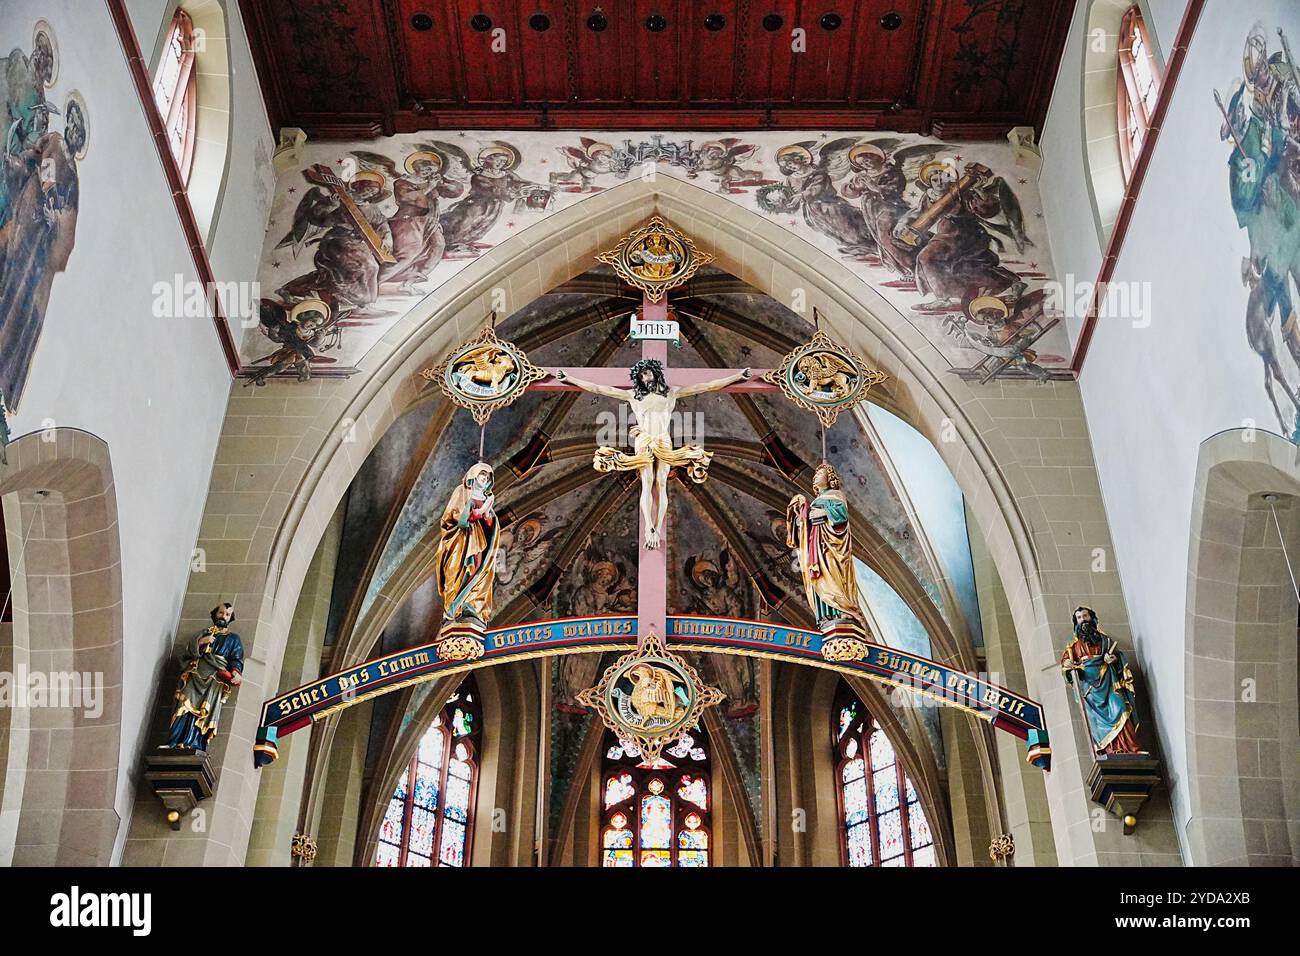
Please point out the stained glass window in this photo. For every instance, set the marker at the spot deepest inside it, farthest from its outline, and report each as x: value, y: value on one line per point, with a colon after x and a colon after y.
x: 884, y: 823
x: 430, y: 815
x: 175, y: 92
x: 656, y: 814
x: 1137, y: 86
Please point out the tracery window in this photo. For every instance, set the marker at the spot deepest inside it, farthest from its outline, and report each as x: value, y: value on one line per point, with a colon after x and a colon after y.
x: 175, y: 91
x: 656, y: 814
x: 883, y: 823
x: 430, y: 817
x: 1137, y: 88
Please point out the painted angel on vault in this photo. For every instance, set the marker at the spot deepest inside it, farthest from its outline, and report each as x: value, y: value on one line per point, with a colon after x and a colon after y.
x: 586, y: 162
x: 812, y: 172
x: 491, y: 185
x: 954, y: 221
x: 1003, y: 330
x: 722, y: 159
x: 882, y: 168
x: 343, y: 218
x: 426, y: 176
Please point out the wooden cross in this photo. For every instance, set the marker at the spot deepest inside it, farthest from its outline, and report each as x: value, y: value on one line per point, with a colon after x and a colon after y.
x: 652, y: 564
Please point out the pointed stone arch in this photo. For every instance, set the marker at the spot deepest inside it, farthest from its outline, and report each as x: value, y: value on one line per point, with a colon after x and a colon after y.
x: 1037, y: 503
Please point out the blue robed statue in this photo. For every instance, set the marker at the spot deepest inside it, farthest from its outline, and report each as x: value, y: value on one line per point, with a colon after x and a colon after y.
x: 1094, y: 662
x: 212, y: 667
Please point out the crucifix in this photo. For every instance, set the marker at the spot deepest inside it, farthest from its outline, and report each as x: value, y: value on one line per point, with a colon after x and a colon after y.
x: 651, y: 389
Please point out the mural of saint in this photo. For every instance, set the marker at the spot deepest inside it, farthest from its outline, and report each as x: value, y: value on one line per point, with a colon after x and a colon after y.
x: 882, y: 170
x: 1262, y: 121
x: 418, y: 240
x: 39, y: 197
x: 952, y: 221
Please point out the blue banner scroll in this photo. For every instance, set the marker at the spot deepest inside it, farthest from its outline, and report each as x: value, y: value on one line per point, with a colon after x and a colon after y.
x: 302, y: 706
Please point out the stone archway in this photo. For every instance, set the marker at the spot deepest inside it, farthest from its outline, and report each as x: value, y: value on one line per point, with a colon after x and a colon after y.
x: 1242, y: 734
x: 1017, y: 451
x: 62, y: 653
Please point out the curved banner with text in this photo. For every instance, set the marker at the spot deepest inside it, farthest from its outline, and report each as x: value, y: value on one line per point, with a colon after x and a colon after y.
x: 1005, y: 709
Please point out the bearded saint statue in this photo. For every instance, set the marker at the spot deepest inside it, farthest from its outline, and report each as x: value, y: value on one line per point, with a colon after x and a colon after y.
x: 212, y: 666
x: 466, y: 559
x: 1105, y: 686
x: 819, y: 534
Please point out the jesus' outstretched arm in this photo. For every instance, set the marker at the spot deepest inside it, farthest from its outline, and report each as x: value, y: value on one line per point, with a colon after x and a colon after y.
x: 607, y: 390
x: 686, y: 391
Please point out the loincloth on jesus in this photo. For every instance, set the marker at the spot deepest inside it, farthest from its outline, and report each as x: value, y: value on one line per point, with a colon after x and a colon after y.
x: 649, y: 449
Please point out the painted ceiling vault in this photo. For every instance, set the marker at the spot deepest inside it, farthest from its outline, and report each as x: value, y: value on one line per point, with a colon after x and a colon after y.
x: 568, y: 542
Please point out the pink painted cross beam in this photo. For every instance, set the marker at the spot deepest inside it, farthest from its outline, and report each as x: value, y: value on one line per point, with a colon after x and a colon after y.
x: 652, y: 563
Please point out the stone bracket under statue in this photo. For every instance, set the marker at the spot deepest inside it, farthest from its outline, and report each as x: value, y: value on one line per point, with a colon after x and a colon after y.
x: 1005, y: 709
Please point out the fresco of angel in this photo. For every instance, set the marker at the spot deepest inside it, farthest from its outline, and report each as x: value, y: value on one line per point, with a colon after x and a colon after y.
x: 812, y: 172
x: 303, y: 331
x: 586, y: 162
x: 882, y: 169
x: 344, y: 219
x: 433, y: 172
x: 491, y: 184
x: 955, y: 220
x: 1003, y: 331
x: 722, y: 159
x: 1262, y: 122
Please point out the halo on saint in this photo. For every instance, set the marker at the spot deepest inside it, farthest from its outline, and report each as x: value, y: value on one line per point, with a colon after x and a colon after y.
x: 824, y: 378
x: 650, y: 696
x: 655, y: 258
x: 484, y: 374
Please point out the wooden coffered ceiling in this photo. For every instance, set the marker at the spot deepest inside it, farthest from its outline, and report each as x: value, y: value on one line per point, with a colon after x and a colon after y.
x: 363, y: 68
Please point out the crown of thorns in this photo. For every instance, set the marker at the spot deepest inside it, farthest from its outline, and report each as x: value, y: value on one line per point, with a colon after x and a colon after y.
x: 654, y: 365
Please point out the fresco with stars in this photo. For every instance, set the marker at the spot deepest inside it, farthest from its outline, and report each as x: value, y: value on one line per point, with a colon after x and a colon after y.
x: 951, y: 236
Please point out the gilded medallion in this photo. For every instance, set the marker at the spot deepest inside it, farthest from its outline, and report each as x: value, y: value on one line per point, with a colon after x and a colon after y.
x: 484, y: 374
x: 655, y: 258
x: 825, y: 378
x: 650, y: 696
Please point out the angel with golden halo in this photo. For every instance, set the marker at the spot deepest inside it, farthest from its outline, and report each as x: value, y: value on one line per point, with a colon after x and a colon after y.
x: 492, y: 184
x: 434, y: 171
x: 652, y: 402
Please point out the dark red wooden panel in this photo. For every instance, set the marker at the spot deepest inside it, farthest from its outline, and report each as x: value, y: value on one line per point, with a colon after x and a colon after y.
x: 822, y: 72
x: 490, y: 60
x: 544, y: 63
x: 357, y: 67
x: 430, y: 59
x: 886, y: 63
x: 711, y: 59
x: 769, y: 61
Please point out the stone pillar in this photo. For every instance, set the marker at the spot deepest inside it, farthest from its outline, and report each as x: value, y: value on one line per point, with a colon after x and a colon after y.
x: 279, y: 795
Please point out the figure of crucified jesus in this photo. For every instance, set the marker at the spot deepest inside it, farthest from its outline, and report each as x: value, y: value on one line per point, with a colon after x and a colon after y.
x: 652, y: 402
